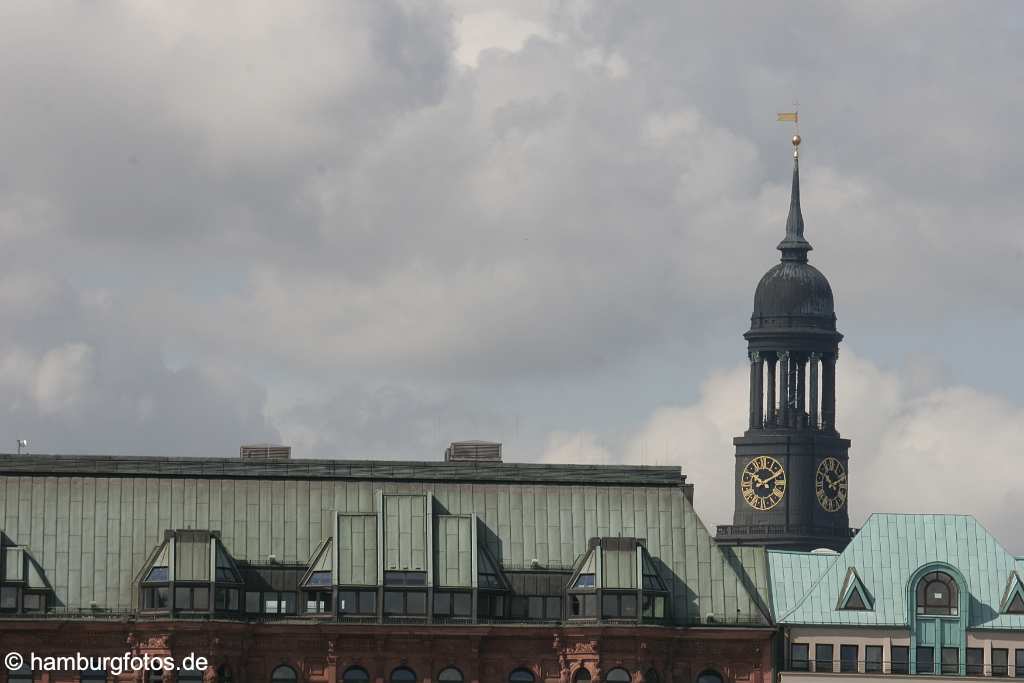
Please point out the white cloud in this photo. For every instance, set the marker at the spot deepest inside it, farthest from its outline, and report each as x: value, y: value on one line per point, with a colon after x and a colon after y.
x: 579, y: 447
x: 62, y: 378
x: 492, y: 28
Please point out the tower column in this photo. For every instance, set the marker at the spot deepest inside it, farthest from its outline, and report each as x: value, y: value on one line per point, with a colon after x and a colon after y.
x: 784, y: 388
x: 755, y: 360
x: 799, y: 403
x: 813, y: 412
x: 759, y: 403
x: 791, y: 395
x: 771, y: 359
x: 828, y: 389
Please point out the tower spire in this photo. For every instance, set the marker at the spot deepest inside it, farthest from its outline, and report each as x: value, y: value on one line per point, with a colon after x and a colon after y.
x: 794, y: 247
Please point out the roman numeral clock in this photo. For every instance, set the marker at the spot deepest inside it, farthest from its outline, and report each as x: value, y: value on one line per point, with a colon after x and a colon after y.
x: 791, y: 465
x: 763, y: 483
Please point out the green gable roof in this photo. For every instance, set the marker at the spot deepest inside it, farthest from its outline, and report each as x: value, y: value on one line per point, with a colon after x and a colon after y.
x: 93, y: 522
x: 886, y: 553
x: 792, y: 574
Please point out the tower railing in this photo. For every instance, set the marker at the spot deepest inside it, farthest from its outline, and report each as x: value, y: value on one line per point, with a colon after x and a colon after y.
x: 783, y: 530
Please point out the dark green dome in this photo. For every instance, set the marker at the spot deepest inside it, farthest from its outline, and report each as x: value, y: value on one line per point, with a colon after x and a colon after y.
x: 793, y: 288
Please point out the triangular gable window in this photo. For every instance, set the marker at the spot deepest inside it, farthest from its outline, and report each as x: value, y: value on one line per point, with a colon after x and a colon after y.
x: 158, y: 571
x: 321, y: 566
x: 854, y: 596
x: 489, y: 574
x: 1013, y: 596
x: 36, y: 578
x: 227, y: 570
x: 652, y: 581
x: 586, y: 577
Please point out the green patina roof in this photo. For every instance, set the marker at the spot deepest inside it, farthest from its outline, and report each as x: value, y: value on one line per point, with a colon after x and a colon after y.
x: 93, y: 522
x: 792, y: 574
x: 886, y: 553
x: 750, y: 564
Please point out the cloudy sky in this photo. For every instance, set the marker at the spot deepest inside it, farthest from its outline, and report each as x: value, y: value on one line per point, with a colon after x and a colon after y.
x: 366, y: 229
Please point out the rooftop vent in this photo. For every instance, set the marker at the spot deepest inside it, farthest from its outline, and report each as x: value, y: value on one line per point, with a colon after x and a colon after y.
x: 265, y: 451
x: 473, y: 451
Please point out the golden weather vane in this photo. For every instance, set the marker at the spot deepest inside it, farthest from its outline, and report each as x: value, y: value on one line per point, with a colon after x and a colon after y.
x: 793, y: 116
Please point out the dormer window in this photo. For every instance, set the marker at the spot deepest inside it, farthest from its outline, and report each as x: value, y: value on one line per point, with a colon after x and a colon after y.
x: 319, y: 579
x: 405, y: 578
x: 585, y: 581
x: 854, y: 595
x: 1013, y: 599
x: 405, y: 603
x: 190, y: 571
x: 157, y: 575
x: 937, y: 594
x: 23, y: 588
x: 492, y: 587
x: 155, y: 591
x: 156, y: 597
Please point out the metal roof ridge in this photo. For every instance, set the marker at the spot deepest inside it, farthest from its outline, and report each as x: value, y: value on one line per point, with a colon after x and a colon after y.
x: 103, y: 457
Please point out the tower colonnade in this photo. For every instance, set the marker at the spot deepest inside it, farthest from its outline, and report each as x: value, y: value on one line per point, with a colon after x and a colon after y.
x: 793, y: 389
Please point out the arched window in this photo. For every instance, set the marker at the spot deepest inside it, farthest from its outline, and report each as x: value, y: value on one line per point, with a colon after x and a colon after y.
x: 652, y: 676
x: 618, y: 676
x: 93, y: 676
x: 355, y: 674
x: 937, y: 594
x: 156, y: 676
x: 284, y: 674
x: 709, y: 676
x: 521, y: 676
x: 450, y: 675
x: 189, y: 677
x: 582, y: 675
x: 403, y: 674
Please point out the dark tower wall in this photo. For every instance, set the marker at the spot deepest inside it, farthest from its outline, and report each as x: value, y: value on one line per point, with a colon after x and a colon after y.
x: 793, y: 349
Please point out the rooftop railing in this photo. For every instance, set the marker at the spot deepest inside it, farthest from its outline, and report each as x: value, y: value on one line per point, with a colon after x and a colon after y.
x: 320, y: 618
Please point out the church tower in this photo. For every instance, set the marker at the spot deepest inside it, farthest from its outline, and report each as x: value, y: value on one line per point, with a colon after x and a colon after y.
x: 791, y: 464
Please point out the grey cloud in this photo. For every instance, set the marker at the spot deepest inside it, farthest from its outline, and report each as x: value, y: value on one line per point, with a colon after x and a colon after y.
x: 321, y: 197
x: 72, y: 383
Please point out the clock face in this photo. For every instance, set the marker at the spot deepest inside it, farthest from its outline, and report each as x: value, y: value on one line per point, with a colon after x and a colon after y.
x: 830, y: 485
x: 763, y: 483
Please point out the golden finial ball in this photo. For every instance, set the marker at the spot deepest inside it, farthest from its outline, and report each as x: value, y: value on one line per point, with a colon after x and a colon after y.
x: 796, y: 140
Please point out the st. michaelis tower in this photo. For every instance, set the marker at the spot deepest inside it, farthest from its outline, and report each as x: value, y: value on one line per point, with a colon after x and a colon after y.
x: 791, y: 464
